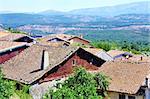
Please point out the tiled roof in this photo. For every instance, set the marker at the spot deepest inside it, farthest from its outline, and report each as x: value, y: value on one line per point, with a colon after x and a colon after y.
x: 100, y: 53
x: 26, y: 67
x: 11, y: 37
x: 64, y: 37
x: 54, y: 44
x: 7, y: 45
x: 60, y: 36
x: 140, y: 59
x: 125, y: 77
x: 2, y: 34
x: 79, y: 38
x: 94, y: 51
x: 114, y: 53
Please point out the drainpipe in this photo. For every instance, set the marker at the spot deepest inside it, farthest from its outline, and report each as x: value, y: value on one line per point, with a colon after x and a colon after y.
x: 147, y: 93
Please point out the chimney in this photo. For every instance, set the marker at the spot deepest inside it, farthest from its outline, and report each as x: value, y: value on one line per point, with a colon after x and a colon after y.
x: 141, y: 58
x: 81, y: 36
x: 45, y: 60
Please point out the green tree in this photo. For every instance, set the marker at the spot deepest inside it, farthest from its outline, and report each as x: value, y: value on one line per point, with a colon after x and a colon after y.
x: 82, y: 85
x: 102, y: 82
x: 15, y: 31
x: 6, y: 87
x: 102, y: 44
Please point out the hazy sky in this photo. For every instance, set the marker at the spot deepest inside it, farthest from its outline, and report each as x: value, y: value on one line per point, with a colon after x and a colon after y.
x: 60, y: 5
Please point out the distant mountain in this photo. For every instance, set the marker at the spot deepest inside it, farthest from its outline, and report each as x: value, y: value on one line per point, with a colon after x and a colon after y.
x: 109, y: 11
x: 130, y: 13
x: 51, y: 12
x: 136, y: 8
x: 17, y: 19
x: 5, y: 12
x: 20, y: 19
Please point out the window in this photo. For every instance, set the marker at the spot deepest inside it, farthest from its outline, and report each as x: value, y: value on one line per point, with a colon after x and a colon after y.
x: 122, y: 96
x: 91, y: 62
x: 131, y: 97
x: 74, y: 62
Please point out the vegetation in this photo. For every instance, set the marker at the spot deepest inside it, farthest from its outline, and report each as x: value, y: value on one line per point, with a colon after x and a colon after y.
x: 103, y: 45
x: 133, y: 41
x: 82, y: 85
x: 113, y: 35
x: 15, y: 31
x: 80, y: 45
x: 134, y: 47
x: 6, y: 87
x: 23, y: 92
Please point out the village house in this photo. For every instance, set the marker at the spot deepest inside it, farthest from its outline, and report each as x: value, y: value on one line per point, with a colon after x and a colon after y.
x: 100, y: 53
x: 119, y: 54
x: 14, y: 37
x: 45, y: 63
x: 68, y: 39
x: 40, y: 63
x: 126, y: 56
x: 10, y: 49
x: 128, y: 80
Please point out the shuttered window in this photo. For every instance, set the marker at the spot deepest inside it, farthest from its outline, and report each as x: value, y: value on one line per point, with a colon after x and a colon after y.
x: 122, y: 96
x: 131, y: 97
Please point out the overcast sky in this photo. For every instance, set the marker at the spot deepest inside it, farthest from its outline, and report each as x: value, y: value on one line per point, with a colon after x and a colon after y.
x: 59, y: 5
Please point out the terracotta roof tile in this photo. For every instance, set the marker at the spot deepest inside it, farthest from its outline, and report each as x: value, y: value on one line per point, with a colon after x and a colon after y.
x: 100, y: 53
x: 125, y: 77
x: 11, y: 37
x: 64, y: 37
x: 94, y: 51
x: 5, y: 45
x: 114, y: 53
x: 2, y: 34
x: 26, y: 66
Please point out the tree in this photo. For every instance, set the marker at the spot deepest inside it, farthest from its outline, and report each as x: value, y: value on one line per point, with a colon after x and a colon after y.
x: 15, y: 31
x: 6, y: 87
x: 105, y: 45
x: 82, y: 85
x: 102, y: 83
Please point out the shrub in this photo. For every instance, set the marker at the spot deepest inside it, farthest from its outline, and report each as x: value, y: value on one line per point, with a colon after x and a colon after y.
x: 82, y: 85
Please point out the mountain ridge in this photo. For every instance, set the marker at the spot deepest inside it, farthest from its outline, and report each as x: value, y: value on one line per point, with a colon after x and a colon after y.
x: 136, y: 15
x: 136, y: 8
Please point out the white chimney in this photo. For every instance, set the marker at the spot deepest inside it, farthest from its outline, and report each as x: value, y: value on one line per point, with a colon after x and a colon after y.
x: 45, y: 60
x: 81, y: 36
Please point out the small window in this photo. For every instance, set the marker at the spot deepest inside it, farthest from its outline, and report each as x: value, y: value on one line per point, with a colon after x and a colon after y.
x: 74, y: 62
x: 122, y: 96
x: 91, y: 62
x: 131, y: 97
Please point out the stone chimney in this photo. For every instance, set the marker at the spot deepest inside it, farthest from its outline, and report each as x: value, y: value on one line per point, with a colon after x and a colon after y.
x: 45, y: 60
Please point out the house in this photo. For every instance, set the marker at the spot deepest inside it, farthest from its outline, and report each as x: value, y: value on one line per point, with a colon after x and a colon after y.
x: 10, y: 49
x: 69, y: 39
x: 16, y: 37
x: 119, y: 54
x: 139, y: 59
x: 126, y: 56
x: 55, y: 44
x: 39, y: 63
x: 100, y: 53
x: 79, y: 40
x: 129, y: 80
